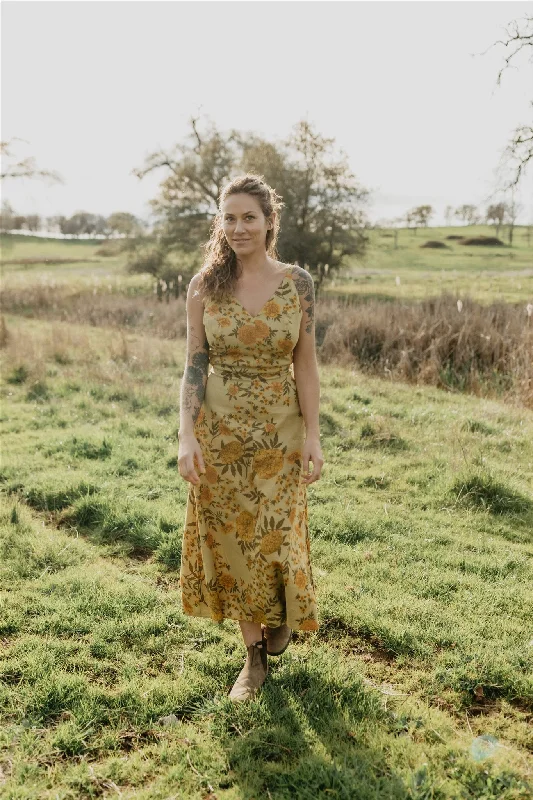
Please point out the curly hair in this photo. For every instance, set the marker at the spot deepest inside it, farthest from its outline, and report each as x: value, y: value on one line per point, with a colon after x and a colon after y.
x: 218, y: 274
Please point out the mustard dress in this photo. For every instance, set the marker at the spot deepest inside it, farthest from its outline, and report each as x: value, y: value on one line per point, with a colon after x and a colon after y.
x: 246, y: 549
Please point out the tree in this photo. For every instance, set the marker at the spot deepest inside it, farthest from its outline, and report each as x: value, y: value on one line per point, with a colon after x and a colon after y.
x: 20, y: 169
x: 323, y: 218
x: 468, y: 214
x: 124, y: 223
x: 513, y: 209
x: 496, y: 214
x: 519, y: 151
x: 25, y: 168
x: 7, y: 216
x: 326, y: 220
x: 418, y: 217
x: 33, y: 222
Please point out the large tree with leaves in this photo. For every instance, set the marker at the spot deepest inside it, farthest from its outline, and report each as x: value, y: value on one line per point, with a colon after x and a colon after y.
x: 322, y: 222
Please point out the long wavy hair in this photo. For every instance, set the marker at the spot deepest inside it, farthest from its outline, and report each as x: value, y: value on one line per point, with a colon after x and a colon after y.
x: 219, y: 272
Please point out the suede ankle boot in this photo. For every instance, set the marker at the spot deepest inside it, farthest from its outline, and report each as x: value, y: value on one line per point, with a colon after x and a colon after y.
x: 254, y: 672
x: 278, y: 639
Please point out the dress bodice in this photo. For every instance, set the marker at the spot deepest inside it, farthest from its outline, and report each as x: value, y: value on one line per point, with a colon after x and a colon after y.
x: 242, y: 344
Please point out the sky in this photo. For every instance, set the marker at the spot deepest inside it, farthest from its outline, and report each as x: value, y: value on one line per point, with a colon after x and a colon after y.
x: 407, y: 90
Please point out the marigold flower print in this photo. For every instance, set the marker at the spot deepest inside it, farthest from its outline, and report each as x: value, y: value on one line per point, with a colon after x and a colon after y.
x: 246, y: 548
x: 268, y: 463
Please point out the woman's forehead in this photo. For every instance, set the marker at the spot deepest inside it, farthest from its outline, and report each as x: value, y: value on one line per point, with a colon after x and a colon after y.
x: 240, y: 203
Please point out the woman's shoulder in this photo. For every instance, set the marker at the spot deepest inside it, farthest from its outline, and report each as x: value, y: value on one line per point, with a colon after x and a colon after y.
x: 195, y: 288
x: 289, y: 269
x: 302, y: 278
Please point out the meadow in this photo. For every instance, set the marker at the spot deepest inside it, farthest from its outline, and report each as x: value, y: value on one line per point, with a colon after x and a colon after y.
x: 418, y: 683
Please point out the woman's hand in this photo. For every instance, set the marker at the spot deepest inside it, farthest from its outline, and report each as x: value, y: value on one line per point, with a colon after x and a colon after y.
x: 189, y: 451
x: 311, y: 452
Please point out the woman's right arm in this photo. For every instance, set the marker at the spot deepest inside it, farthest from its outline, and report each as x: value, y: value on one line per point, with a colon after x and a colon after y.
x: 193, y: 383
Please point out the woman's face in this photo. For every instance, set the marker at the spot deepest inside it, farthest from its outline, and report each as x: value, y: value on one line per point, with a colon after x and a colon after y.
x: 244, y: 223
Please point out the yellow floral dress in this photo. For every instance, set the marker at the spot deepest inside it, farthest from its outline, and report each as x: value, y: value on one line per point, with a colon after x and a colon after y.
x: 246, y: 550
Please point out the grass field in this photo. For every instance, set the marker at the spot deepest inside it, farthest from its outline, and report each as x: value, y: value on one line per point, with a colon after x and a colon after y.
x: 419, y: 682
x: 410, y: 271
x: 483, y: 273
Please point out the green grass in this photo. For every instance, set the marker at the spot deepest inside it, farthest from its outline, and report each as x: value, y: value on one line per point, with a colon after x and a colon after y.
x: 422, y: 553
x: 27, y: 246
x: 483, y: 273
x: 411, y: 272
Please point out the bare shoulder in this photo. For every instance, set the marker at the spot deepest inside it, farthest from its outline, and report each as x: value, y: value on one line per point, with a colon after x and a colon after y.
x: 303, y: 280
x: 193, y: 292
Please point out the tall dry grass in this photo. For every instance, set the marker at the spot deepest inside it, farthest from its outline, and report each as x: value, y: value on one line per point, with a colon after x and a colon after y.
x: 97, y: 307
x: 458, y: 345
x: 106, y: 356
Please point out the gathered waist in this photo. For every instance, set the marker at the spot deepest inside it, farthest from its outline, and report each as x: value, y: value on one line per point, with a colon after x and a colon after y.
x: 242, y: 372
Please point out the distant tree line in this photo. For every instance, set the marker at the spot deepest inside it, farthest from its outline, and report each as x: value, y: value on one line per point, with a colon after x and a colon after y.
x: 81, y: 223
x: 496, y: 214
x: 125, y: 224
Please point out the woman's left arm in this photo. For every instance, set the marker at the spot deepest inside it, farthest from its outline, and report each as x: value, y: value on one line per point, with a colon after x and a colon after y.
x: 306, y: 375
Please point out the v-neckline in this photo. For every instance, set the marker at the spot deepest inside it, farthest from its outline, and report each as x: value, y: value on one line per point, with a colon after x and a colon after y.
x: 254, y: 316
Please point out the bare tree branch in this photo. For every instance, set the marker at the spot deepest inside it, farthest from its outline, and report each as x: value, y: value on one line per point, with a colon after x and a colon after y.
x: 26, y: 168
x: 519, y: 151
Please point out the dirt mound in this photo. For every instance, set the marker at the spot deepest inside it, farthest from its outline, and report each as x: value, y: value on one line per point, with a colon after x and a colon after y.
x: 434, y: 243
x: 488, y: 241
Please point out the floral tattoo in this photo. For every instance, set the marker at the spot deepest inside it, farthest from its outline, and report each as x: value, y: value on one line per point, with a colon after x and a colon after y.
x: 306, y: 289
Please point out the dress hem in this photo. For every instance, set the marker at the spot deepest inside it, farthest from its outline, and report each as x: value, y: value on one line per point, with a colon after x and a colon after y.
x: 240, y: 618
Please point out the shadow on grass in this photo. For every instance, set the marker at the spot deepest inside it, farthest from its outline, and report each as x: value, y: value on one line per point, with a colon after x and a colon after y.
x: 305, y: 735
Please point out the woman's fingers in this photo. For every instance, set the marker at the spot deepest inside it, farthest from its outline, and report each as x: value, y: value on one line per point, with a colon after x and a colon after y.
x: 187, y: 468
x: 315, y: 474
x: 187, y: 463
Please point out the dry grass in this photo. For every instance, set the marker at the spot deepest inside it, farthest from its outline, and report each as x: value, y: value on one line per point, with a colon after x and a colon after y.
x: 98, y: 307
x: 107, y: 356
x: 459, y: 345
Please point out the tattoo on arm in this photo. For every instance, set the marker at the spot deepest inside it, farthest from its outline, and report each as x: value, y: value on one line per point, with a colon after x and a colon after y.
x: 306, y: 288
x: 194, y: 378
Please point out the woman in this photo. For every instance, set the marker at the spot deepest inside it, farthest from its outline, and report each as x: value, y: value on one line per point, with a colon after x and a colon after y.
x: 250, y: 428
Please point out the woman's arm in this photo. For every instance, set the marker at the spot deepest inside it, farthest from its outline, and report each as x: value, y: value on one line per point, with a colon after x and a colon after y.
x: 196, y: 364
x: 304, y: 355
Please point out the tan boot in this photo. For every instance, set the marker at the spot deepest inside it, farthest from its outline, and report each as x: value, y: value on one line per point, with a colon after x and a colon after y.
x: 254, y: 672
x: 278, y: 639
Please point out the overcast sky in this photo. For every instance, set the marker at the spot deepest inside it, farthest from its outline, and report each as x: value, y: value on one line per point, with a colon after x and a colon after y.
x: 402, y: 87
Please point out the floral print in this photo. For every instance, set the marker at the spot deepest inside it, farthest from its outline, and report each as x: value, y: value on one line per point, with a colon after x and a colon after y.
x: 246, y: 549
